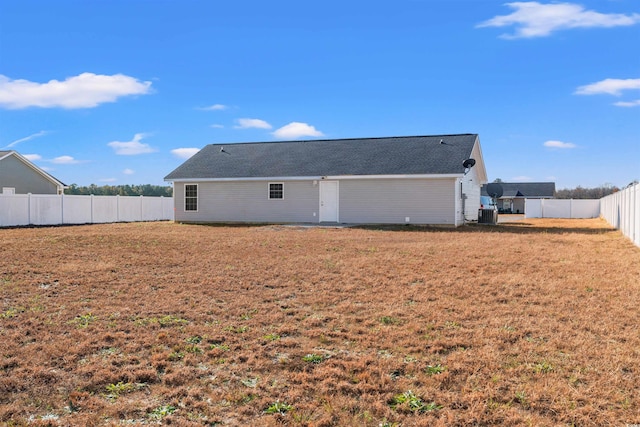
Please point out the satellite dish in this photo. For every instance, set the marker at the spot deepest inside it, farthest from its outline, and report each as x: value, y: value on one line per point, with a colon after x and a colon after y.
x: 469, y: 163
x: 494, y: 190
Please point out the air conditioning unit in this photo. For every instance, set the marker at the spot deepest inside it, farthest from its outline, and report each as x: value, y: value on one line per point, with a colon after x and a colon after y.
x: 487, y: 216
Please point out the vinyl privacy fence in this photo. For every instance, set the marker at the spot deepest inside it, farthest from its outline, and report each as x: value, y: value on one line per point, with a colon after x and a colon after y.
x: 622, y: 211
x: 561, y: 208
x: 54, y: 209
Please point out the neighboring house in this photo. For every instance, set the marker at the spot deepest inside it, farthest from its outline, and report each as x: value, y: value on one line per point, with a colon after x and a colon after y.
x: 514, y: 193
x: 19, y: 176
x: 395, y: 180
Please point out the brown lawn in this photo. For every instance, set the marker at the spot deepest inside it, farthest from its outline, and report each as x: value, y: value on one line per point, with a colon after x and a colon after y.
x: 527, y: 323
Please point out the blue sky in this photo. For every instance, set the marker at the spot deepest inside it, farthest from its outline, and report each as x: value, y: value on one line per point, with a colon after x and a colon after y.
x: 123, y: 91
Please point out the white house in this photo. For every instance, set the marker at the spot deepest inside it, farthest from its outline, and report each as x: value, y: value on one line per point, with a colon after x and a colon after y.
x: 394, y: 180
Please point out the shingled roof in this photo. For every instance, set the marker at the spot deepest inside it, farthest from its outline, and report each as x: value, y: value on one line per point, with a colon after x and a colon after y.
x: 525, y: 189
x: 409, y: 155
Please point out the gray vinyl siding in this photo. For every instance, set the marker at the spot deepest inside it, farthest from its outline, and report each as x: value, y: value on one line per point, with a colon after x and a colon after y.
x: 15, y: 174
x: 248, y: 201
x: 391, y: 201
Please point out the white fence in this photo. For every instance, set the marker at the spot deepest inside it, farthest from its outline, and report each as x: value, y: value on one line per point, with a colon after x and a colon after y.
x: 622, y: 211
x: 53, y: 209
x: 561, y: 208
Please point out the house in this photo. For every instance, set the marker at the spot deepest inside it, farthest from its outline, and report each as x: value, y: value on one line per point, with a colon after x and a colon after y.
x: 19, y: 176
x: 394, y: 180
x: 514, y: 193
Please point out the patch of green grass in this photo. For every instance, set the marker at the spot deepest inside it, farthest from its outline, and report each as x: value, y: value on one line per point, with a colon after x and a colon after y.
x: 84, y: 320
x: 278, y: 408
x: 196, y: 339
x: 220, y: 346
x: 409, y: 402
x: 175, y: 356
x: 434, y: 369
x: 389, y: 320
x: 237, y: 329
x: 164, y: 321
x: 543, y: 367
x: 11, y: 312
x: 272, y: 337
x: 313, y: 358
x: 115, y: 390
x: 162, y: 411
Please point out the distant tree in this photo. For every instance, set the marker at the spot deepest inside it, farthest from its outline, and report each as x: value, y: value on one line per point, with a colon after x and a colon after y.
x: 498, y: 180
x: 121, y: 190
x: 586, y: 193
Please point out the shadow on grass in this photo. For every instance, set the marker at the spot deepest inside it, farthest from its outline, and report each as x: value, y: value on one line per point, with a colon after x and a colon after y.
x: 507, y: 227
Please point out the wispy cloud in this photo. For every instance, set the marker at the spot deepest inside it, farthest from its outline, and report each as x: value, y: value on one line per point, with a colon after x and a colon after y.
x: 64, y: 160
x: 252, y: 123
x: 184, y: 153
x: 108, y: 180
x: 133, y: 147
x: 32, y: 157
x: 296, y: 130
x: 27, y: 138
x: 635, y: 103
x: 613, y: 87
x: 215, y: 107
x: 533, y: 19
x: 559, y: 144
x: 128, y: 171
x: 609, y: 86
x: 217, y: 126
x: 86, y: 90
x: 521, y: 178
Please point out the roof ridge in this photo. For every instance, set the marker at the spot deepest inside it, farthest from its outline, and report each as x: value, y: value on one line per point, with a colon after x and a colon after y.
x: 346, y: 139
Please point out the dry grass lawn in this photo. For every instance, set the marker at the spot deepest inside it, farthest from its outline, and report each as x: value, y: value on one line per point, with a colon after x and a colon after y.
x: 528, y: 323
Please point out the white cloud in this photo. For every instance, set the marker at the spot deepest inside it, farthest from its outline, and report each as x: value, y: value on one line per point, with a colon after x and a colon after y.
x: 217, y: 126
x: 86, y: 90
x: 32, y: 157
x: 296, y: 130
x: 27, y: 138
x: 184, y: 153
x: 559, y: 144
x: 132, y: 148
x: 635, y: 103
x: 252, y: 123
x: 533, y: 19
x: 128, y: 171
x: 521, y: 178
x: 108, y: 180
x: 65, y: 160
x: 609, y: 86
x: 215, y: 107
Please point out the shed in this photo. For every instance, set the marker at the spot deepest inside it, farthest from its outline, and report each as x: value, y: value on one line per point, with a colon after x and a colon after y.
x: 514, y: 193
x: 20, y: 176
x: 391, y: 180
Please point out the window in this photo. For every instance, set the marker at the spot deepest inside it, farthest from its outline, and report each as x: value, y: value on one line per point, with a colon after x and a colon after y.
x: 191, y: 197
x: 276, y: 190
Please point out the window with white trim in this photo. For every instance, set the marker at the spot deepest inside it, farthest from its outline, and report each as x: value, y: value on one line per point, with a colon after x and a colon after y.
x: 276, y: 191
x: 191, y: 197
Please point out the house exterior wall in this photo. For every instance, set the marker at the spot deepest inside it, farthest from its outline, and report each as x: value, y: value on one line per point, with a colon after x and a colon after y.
x: 361, y: 201
x: 248, y: 201
x: 391, y: 201
x: 15, y: 174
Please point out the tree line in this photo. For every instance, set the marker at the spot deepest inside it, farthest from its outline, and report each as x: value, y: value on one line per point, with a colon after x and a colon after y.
x: 120, y: 190
x: 586, y: 193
